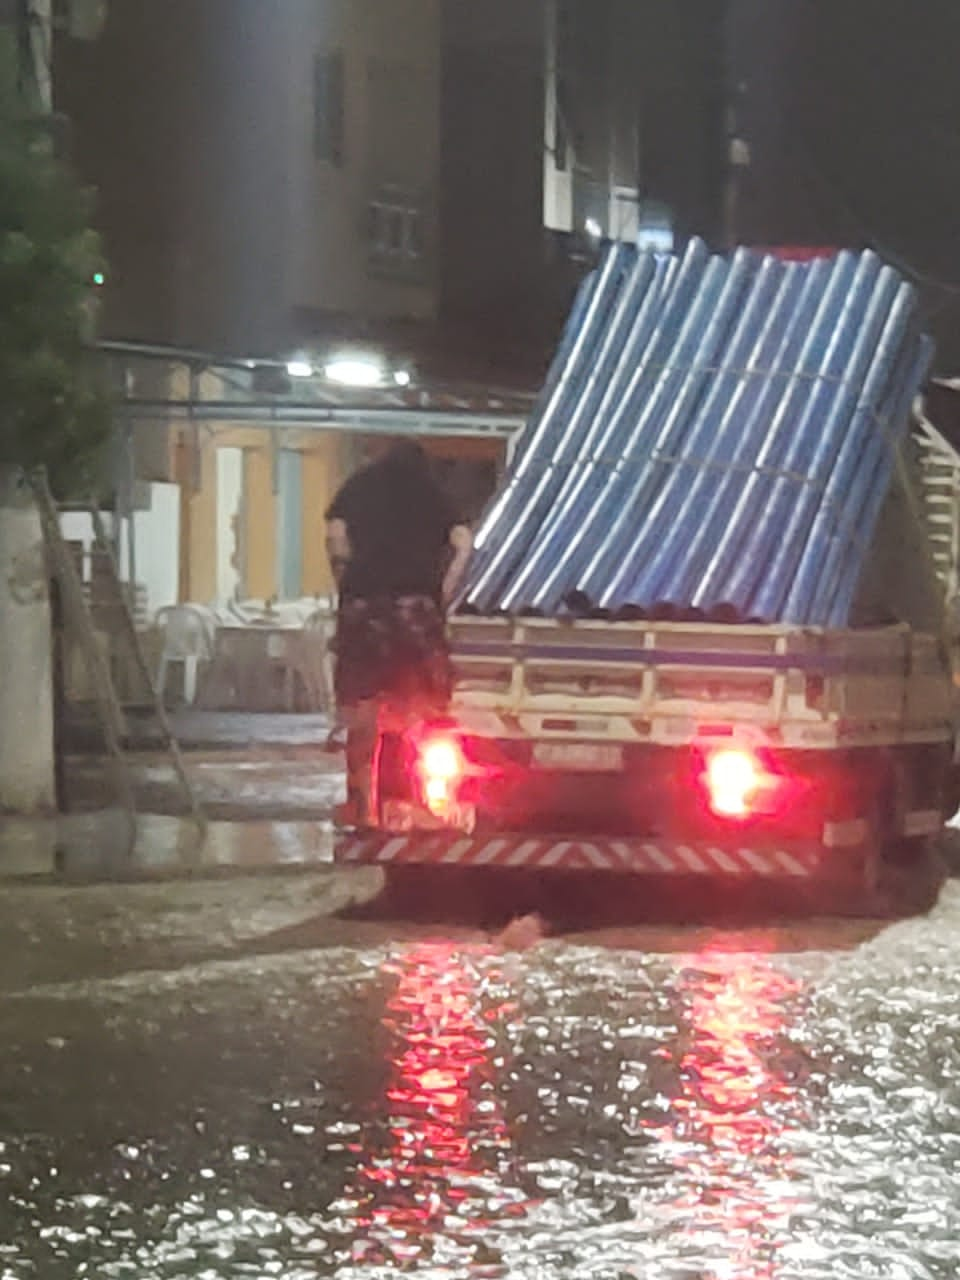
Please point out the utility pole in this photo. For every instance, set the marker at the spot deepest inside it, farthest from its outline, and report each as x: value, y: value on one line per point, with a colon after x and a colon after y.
x: 739, y: 17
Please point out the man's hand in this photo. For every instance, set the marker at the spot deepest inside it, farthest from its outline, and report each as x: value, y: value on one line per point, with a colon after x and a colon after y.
x: 338, y: 548
x: 461, y: 542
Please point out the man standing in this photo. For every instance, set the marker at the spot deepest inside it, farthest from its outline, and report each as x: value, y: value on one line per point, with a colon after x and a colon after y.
x: 398, y: 554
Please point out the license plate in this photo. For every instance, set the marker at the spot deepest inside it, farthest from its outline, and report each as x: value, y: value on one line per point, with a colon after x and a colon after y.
x: 593, y: 757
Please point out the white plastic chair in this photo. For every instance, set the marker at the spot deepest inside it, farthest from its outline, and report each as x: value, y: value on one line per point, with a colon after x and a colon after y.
x: 309, y: 658
x: 188, y: 637
x: 323, y: 620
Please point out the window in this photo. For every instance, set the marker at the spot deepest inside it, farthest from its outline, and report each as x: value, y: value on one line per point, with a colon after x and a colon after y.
x: 395, y: 231
x: 328, y: 124
x: 395, y: 225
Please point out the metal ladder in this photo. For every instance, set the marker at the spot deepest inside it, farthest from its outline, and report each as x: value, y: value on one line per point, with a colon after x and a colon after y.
x: 940, y: 480
x: 110, y: 713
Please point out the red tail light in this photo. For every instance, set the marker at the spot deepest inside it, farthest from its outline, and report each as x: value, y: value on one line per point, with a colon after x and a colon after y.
x: 734, y: 780
x: 441, y: 768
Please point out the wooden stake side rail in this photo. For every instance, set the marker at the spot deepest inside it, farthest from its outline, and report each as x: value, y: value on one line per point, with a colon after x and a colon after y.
x: 660, y: 681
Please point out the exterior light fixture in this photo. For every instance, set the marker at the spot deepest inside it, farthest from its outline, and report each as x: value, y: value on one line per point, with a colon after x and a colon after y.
x: 299, y: 367
x: 401, y: 377
x: 593, y: 228
x: 354, y: 371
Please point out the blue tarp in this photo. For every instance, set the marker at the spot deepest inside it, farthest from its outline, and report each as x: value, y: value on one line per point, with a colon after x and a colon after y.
x: 716, y: 438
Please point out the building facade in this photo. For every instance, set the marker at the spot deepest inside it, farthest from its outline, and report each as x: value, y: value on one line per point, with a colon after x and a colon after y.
x: 318, y: 176
x: 267, y: 181
x: 260, y: 168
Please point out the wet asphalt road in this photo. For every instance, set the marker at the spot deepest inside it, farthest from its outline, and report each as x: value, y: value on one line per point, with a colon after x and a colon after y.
x: 219, y: 1080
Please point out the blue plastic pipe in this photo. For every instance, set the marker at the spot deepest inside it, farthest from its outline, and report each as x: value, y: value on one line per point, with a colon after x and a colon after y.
x: 810, y: 571
x: 699, y: 328
x: 836, y: 612
x: 586, y: 524
x: 744, y: 502
x: 820, y: 417
x: 577, y: 426
x: 582, y: 474
x: 691, y: 546
x: 505, y: 513
x: 676, y: 501
x: 797, y: 496
x: 654, y: 473
x: 683, y: 547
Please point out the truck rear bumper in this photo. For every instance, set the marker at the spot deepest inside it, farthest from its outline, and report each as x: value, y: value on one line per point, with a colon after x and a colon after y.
x: 631, y: 856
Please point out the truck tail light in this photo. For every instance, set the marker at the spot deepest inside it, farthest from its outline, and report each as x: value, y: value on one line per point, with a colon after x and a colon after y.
x: 441, y: 769
x: 734, y: 779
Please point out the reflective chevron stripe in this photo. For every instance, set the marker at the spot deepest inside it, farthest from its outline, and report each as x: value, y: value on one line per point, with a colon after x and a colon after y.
x: 649, y: 857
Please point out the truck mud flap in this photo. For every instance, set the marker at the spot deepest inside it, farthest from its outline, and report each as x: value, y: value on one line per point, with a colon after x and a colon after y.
x: 628, y: 856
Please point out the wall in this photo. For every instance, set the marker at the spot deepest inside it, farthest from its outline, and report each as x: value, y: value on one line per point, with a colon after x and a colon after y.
x: 194, y: 121
x: 390, y: 118
x: 134, y: 98
x: 156, y: 543
x: 196, y: 474
x: 325, y: 466
x: 469, y: 467
x: 26, y: 712
x: 157, y: 546
x: 492, y: 240
x: 326, y: 462
x: 260, y: 526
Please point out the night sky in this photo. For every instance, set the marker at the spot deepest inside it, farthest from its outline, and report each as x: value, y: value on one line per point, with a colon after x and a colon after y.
x: 860, y: 101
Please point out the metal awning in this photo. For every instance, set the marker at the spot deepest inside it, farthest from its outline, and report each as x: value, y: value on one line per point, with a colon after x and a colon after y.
x: 173, y: 384
x: 397, y: 420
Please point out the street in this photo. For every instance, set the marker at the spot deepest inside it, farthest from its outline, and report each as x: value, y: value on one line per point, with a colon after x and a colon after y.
x: 220, y: 1078
x: 480, y: 636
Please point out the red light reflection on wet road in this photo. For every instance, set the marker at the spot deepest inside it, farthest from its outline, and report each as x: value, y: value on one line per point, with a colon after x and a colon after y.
x: 437, y: 1175
x: 733, y: 1114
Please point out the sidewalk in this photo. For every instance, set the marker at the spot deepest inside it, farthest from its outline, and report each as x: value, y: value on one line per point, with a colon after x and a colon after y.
x: 97, y: 846
x: 238, y: 785
x: 264, y: 782
x: 197, y: 730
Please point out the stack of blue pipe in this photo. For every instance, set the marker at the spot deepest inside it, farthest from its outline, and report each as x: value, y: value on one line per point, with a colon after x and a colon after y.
x: 715, y: 439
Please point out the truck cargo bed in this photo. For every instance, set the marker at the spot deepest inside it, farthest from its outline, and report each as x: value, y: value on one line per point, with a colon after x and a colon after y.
x: 662, y: 681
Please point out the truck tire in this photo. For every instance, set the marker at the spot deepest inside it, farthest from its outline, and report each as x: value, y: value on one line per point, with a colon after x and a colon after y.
x: 911, y: 878
x: 485, y: 897
x: 952, y: 791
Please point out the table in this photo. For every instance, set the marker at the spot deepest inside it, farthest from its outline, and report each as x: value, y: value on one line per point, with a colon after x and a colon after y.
x: 269, y: 668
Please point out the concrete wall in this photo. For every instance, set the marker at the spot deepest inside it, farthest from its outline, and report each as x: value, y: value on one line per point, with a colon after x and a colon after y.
x: 156, y: 543
x: 326, y: 462
x: 156, y: 532
x: 26, y: 716
x: 325, y: 466
x: 198, y: 522
x: 492, y: 237
x: 194, y: 120
x: 260, y: 524
x: 469, y: 467
x: 391, y: 107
